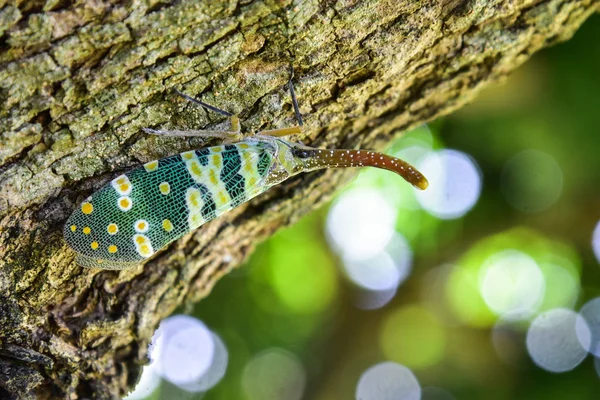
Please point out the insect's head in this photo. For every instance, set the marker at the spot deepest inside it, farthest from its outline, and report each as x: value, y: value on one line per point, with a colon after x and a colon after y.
x: 284, y: 159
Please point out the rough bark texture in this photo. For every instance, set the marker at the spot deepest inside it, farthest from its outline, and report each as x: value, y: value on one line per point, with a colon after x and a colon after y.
x: 79, y: 79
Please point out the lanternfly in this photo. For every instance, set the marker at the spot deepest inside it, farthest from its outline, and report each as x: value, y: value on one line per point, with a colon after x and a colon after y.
x: 142, y: 211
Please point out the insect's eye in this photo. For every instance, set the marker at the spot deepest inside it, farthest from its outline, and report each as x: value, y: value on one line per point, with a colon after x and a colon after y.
x: 301, y: 153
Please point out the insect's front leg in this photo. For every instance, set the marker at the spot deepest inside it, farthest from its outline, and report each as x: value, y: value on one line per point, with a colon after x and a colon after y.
x: 282, y: 132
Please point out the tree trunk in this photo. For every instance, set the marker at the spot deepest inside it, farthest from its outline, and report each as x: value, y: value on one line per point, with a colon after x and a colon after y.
x: 80, y: 79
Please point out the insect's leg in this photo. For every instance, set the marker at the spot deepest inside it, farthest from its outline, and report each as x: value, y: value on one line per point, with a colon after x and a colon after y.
x: 203, y: 104
x: 235, y: 121
x: 294, y: 100
x: 294, y: 130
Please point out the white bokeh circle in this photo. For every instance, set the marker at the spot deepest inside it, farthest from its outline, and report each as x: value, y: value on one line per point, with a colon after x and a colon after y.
x: 454, y: 184
x: 388, y: 381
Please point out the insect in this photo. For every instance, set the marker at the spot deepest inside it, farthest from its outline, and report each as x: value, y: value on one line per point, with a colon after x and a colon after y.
x: 140, y: 212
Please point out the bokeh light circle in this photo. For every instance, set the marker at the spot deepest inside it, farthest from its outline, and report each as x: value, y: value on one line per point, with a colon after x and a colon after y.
x: 596, y: 241
x: 308, y: 283
x: 531, y: 181
x: 413, y: 336
x: 399, y: 249
x: 149, y: 381
x: 562, y: 283
x: 478, y: 295
x: 274, y: 374
x: 360, y: 223
x: 188, y: 354
x: 167, y: 328
x: 215, y: 372
x: 374, y: 273
x: 385, y: 270
x: 512, y: 284
x: 454, y: 184
x: 388, y: 381
x: 591, y: 320
x: 463, y: 294
x: 373, y: 299
x: 553, y: 342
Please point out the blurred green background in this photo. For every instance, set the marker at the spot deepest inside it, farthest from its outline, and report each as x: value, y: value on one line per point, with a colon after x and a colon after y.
x: 474, y: 291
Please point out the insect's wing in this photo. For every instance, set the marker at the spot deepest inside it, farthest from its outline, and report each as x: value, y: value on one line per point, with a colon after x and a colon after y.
x: 142, y: 211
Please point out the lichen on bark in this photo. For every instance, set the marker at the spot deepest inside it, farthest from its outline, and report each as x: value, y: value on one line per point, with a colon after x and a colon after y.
x: 78, y: 81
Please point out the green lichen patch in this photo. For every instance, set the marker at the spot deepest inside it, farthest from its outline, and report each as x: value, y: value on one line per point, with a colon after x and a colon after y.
x: 9, y: 16
x: 72, y: 51
x: 13, y: 142
x: 38, y: 32
x: 104, y: 36
x: 21, y: 79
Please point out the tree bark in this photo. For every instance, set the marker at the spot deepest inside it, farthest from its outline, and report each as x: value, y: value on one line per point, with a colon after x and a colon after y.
x: 78, y: 81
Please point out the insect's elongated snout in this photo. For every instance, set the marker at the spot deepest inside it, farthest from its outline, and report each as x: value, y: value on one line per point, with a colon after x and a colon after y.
x: 314, y: 159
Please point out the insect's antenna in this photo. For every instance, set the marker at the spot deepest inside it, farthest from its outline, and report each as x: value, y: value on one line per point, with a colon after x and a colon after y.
x: 318, y: 159
x: 203, y: 104
x: 294, y: 100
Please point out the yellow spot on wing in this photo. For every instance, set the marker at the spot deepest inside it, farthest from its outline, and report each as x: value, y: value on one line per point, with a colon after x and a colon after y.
x: 143, y: 246
x: 216, y: 160
x: 195, y: 199
x: 195, y: 167
x: 87, y: 208
x: 112, y: 229
x: 195, y: 220
x: 213, y: 177
x: 188, y: 155
x: 94, y: 245
x: 124, y: 203
x: 86, y: 230
x: 248, y: 162
x: 122, y: 185
x: 141, y: 225
x: 73, y: 228
x: 151, y: 166
x: 164, y: 188
x: 167, y: 225
x: 112, y: 248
